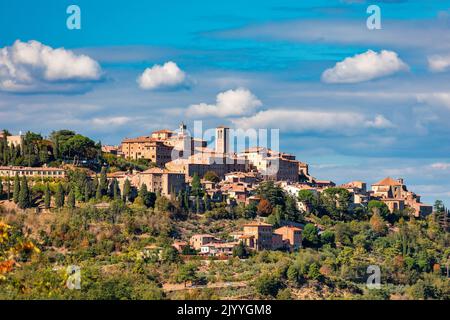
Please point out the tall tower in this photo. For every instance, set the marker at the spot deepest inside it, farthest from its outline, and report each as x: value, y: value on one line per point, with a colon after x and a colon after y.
x: 222, y: 139
x: 182, y: 129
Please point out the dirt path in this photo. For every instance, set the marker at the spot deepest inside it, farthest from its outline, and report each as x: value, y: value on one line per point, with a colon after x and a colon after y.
x: 168, y: 287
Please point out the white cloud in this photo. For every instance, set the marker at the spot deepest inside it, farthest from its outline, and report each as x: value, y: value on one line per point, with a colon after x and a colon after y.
x: 110, y: 121
x: 239, y: 102
x: 437, y: 99
x: 438, y: 63
x: 380, y: 122
x: 31, y: 66
x: 440, y: 166
x: 363, y: 67
x: 306, y: 120
x: 168, y: 75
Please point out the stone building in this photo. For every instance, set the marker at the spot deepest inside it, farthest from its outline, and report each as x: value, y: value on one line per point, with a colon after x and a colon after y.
x: 161, y: 146
x: 147, y: 147
x: 258, y: 235
x: 292, y: 236
x: 396, y: 196
x: 358, y: 190
x: 274, y: 165
x: 157, y: 180
x: 16, y: 140
x: 40, y: 172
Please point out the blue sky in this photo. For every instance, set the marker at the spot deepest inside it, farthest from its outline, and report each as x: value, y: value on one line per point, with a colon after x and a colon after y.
x: 270, y: 57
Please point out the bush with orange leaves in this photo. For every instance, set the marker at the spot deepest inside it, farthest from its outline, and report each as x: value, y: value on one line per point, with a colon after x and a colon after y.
x: 13, y: 250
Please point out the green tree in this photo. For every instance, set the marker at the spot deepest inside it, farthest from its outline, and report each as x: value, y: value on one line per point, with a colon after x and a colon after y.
x: 188, y: 250
x: 170, y: 255
x: 327, y: 237
x: 187, y: 272
x: 310, y: 235
x: 268, y: 285
x: 16, y: 188
x: 196, y: 186
x: 293, y: 274
x: 198, y: 207
x: 116, y: 209
x: 375, y: 206
x: 103, y: 181
x: 47, y: 196
x: 114, y: 191
x: 98, y: 192
x: 162, y: 203
x: 148, y: 198
x: 314, y: 272
x: 344, y: 233
x: 71, y: 199
x: 336, y: 202
x: 186, y: 201
x: 87, y: 193
x: 59, y: 196
x: 271, y: 192
x: 309, y: 199
x: 8, y: 190
x: 24, y: 194
x: 206, y: 202
x: 211, y: 176
x: 126, y: 191
x: 240, y: 251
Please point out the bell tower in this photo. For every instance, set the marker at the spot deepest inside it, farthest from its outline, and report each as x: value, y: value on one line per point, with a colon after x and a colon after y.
x: 222, y: 139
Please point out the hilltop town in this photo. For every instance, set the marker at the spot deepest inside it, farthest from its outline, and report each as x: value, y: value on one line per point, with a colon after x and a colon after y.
x: 173, y: 198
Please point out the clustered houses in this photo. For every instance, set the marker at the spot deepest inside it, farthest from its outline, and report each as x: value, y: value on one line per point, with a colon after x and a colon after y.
x: 111, y: 149
x: 358, y: 190
x: 255, y: 236
x: 161, y: 146
x: 273, y: 165
x: 236, y: 187
x: 397, y: 197
x: 178, y: 157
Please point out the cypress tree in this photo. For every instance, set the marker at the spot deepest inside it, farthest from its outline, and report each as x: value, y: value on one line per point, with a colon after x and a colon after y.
x: 143, y: 193
x: 95, y: 184
x: 16, y: 188
x: 47, y: 197
x: 86, y: 193
x: 71, y: 199
x: 8, y: 190
x: 24, y: 194
x: 116, y: 190
x: 103, y: 181
x: 186, y: 201
x: 126, y: 190
x: 196, y: 185
x: 59, y: 196
x: 206, y: 202
x: 180, y: 199
x: 197, y: 204
x: 98, y: 192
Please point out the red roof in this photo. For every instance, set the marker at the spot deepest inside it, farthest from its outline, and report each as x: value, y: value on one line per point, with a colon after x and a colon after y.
x: 388, y: 182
